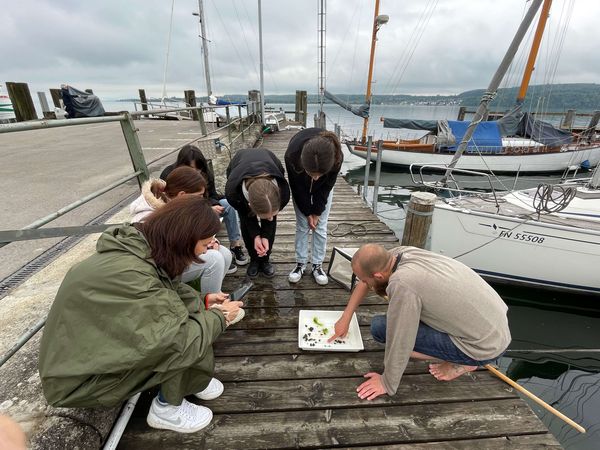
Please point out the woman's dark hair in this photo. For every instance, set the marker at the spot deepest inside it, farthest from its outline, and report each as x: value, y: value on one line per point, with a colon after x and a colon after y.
x: 184, y: 179
x: 191, y: 156
x: 173, y: 231
x: 263, y: 196
x: 321, y: 153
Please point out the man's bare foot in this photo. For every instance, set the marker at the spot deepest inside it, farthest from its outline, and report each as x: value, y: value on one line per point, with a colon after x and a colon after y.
x: 447, y: 371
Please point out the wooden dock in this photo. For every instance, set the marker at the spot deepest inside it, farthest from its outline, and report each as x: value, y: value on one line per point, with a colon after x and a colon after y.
x: 278, y: 396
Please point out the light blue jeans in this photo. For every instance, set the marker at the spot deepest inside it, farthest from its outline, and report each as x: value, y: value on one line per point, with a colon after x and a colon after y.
x: 319, y: 236
x: 212, y: 271
x: 230, y: 218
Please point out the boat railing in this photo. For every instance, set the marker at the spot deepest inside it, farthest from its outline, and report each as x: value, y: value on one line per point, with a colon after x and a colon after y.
x: 451, y: 184
x: 140, y: 172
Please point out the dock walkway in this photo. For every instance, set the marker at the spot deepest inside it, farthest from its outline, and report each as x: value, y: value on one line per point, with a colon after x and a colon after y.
x: 278, y: 396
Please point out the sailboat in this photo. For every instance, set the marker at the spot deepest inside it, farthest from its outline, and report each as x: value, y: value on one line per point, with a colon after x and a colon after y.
x: 516, y: 143
x: 546, y: 237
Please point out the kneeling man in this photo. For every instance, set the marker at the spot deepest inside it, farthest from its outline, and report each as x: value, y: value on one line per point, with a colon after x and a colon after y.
x: 438, y: 309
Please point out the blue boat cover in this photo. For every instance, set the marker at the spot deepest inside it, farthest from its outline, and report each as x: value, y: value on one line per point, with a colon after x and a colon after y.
x: 485, y: 139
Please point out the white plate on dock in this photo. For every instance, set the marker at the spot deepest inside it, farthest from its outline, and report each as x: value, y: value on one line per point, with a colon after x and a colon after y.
x: 315, y: 327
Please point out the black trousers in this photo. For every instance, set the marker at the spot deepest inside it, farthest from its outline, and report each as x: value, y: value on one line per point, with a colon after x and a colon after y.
x: 267, y: 231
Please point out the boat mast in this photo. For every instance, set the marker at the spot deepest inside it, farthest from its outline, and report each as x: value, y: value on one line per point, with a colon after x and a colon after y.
x: 370, y: 76
x: 489, y: 95
x: 322, y: 51
x: 204, y: 47
x: 535, y: 46
x: 262, y: 78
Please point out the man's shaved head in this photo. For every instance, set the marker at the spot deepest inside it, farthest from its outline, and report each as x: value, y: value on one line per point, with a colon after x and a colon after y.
x: 371, y: 258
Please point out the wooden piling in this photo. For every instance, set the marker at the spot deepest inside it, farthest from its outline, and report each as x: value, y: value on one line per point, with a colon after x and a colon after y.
x: 143, y: 100
x: 190, y: 100
x: 461, y: 113
x: 418, y: 219
x: 567, y: 122
x: 21, y: 100
x: 300, y: 114
x: 56, y: 97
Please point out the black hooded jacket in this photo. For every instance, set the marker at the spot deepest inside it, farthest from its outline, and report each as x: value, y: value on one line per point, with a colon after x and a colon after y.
x: 250, y: 163
x: 310, y: 196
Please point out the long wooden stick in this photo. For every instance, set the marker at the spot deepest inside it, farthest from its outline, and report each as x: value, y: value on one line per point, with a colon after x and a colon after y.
x: 534, y: 397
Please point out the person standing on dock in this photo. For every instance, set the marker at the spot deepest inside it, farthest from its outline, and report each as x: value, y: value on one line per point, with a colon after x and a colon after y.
x: 438, y: 309
x: 313, y: 160
x: 256, y: 187
x: 122, y: 321
x: 191, y: 156
x: 184, y: 180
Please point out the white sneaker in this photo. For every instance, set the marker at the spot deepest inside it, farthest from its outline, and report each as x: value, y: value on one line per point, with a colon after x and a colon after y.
x: 296, y: 274
x: 213, y: 390
x: 319, y: 275
x: 185, y: 418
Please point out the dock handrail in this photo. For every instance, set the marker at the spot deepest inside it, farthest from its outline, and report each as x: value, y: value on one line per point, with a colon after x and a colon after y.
x: 141, y: 172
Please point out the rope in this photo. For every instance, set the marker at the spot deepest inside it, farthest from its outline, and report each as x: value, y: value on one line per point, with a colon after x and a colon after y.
x: 551, y: 198
x: 355, y: 229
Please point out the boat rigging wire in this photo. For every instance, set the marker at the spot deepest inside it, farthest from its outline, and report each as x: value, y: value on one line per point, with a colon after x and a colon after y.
x: 164, y: 89
x: 409, y: 49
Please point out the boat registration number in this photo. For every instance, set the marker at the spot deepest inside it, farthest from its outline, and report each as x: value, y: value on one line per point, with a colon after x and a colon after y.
x: 525, y: 237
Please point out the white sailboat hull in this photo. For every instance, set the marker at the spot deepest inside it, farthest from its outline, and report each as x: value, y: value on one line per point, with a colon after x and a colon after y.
x: 512, y: 250
x: 535, y: 162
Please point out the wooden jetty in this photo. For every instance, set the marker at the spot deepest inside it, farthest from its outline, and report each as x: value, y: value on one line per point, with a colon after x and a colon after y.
x: 278, y: 396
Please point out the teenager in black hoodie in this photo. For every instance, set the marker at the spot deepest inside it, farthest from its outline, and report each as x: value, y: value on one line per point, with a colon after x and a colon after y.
x: 257, y: 189
x: 313, y: 160
x: 190, y: 155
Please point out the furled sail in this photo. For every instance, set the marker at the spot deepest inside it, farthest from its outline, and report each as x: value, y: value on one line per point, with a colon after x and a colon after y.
x: 360, y: 111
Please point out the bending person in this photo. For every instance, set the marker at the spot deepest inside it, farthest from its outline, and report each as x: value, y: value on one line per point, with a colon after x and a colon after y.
x: 122, y: 321
x: 191, y: 156
x: 257, y: 189
x: 313, y: 160
x: 157, y: 193
x: 438, y: 309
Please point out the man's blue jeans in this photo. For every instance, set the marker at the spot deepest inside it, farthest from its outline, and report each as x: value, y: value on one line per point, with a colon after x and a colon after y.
x: 230, y: 218
x: 430, y: 342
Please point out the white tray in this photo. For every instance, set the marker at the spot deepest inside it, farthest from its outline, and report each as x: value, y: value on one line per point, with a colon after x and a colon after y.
x: 324, y: 330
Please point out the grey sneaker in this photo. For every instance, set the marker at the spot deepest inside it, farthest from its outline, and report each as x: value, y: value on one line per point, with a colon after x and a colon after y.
x: 319, y: 275
x: 296, y: 274
x: 185, y: 418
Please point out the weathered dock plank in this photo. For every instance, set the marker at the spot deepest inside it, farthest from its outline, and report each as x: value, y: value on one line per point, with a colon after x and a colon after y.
x: 278, y: 396
x: 315, y: 428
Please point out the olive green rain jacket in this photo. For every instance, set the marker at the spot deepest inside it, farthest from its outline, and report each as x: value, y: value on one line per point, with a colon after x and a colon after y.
x: 119, y: 325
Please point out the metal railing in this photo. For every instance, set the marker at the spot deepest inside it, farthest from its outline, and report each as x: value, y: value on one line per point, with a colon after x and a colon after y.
x: 141, y: 172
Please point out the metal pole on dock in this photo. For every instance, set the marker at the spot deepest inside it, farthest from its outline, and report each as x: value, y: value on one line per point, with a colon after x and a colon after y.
x: 262, y: 78
x: 418, y: 219
x: 377, y: 175
x: 367, y: 166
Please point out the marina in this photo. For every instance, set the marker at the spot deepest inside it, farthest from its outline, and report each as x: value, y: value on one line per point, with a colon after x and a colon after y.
x: 512, y: 197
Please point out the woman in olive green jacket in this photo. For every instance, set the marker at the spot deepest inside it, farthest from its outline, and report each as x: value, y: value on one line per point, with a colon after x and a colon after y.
x: 122, y: 322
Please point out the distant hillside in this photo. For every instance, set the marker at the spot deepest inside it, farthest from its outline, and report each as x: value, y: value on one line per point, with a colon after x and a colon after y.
x: 559, y: 97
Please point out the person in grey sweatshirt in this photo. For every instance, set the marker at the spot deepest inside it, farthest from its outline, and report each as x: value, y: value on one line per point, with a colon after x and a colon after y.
x: 438, y: 309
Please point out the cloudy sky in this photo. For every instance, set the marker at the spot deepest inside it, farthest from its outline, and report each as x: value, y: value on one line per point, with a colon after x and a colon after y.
x: 428, y: 46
